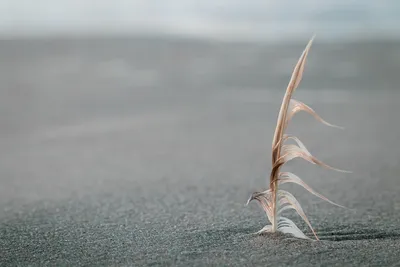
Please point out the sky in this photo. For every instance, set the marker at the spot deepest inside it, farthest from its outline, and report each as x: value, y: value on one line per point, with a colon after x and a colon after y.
x: 240, y: 18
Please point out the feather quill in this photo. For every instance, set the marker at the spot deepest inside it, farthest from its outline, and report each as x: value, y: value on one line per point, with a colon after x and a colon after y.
x: 275, y: 201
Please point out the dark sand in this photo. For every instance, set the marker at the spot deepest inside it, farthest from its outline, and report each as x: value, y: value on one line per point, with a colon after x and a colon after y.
x: 143, y: 153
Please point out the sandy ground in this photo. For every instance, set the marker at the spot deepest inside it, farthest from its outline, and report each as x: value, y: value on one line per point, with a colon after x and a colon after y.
x: 104, y: 163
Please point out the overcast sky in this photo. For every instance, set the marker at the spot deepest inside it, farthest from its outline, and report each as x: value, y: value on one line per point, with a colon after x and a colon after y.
x: 202, y: 17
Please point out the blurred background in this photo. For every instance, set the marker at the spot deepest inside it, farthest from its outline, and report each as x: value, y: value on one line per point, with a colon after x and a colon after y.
x: 126, y: 119
x: 242, y: 20
x: 96, y: 92
x: 97, y: 95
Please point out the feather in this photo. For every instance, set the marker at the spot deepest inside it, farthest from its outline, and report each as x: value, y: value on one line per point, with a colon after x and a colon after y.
x: 264, y: 199
x: 297, y: 106
x: 292, y: 203
x: 288, y: 177
x: 287, y: 226
x: 273, y: 200
x: 292, y: 151
x: 265, y: 229
x: 293, y: 83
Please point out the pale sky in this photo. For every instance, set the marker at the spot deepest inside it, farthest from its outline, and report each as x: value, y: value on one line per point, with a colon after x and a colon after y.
x: 203, y: 17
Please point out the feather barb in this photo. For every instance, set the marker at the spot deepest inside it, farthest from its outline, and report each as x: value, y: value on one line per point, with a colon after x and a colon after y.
x: 275, y: 201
